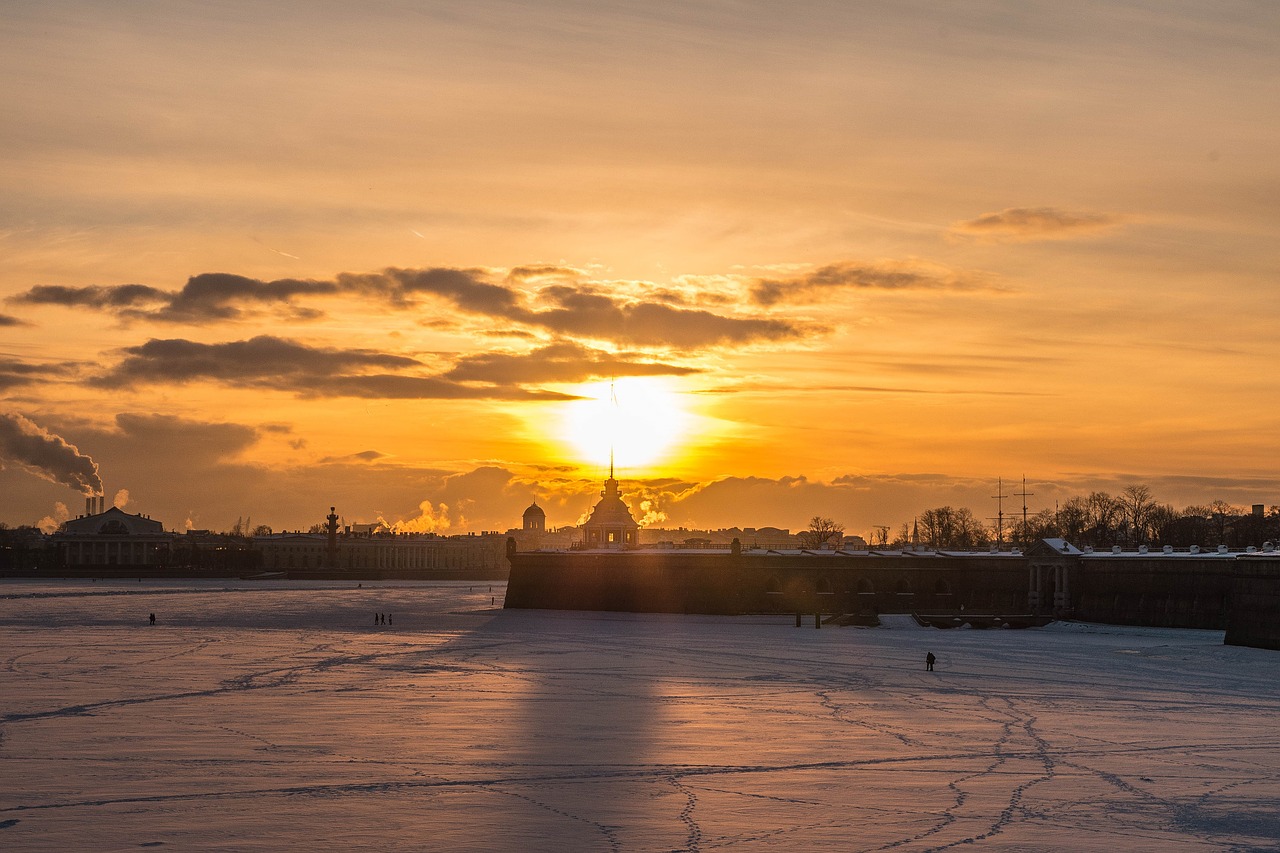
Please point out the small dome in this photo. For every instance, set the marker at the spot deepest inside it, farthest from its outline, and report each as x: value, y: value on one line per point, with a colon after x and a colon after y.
x: 534, y: 511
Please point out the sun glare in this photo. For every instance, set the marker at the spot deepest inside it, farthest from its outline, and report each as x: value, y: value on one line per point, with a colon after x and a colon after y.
x: 640, y: 419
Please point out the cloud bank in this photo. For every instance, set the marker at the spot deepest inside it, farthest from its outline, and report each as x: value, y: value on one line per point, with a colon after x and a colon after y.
x: 286, y: 365
x: 556, y: 302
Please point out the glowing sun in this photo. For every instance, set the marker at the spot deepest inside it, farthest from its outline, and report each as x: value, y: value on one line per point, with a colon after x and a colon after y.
x: 642, y: 420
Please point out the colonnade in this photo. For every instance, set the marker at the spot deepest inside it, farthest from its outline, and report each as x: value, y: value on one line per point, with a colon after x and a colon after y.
x: 1049, y: 587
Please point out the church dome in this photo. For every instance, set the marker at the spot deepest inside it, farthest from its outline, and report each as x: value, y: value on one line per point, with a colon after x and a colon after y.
x: 534, y: 511
x: 610, y: 524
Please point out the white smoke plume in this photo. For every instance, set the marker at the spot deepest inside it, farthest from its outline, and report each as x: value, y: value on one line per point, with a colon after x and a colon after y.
x: 429, y: 520
x: 652, y: 514
x: 121, y: 499
x: 38, y: 451
x: 51, y: 523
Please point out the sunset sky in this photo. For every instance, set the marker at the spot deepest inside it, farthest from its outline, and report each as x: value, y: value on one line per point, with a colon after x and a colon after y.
x: 842, y: 258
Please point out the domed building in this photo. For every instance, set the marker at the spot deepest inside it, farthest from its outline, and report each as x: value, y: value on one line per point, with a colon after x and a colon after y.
x: 535, y: 520
x: 112, y: 538
x: 610, y: 524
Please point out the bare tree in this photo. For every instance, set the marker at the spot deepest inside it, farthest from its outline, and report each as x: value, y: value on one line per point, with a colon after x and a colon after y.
x: 1042, y: 525
x: 952, y: 529
x: 822, y: 531
x: 1136, y: 506
x: 1073, y: 521
x: 1104, y: 518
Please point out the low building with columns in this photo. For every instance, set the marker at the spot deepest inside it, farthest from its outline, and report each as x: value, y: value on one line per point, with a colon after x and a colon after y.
x: 112, y: 538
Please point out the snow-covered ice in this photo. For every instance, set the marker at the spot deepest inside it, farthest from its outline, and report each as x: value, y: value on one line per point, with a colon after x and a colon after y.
x: 263, y: 716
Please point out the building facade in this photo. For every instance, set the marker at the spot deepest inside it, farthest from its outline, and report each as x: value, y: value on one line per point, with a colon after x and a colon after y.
x: 610, y: 524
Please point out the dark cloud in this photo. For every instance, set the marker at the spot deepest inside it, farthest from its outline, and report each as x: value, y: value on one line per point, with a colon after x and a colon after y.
x: 50, y: 457
x: 584, y: 312
x: 397, y: 387
x: 860, y: 276
x: 465, y: 288
x: 14, y: 372
x: 362, y: 456
x: 205, y: 297
x: 1034, y: 223
x: 240, y: 362
x: 574, y: 309
x: 286, y: 365
x: 205, y: 441
x: 7, y: 320
x: 113, y: 297
x: 561, y: 362
x: 544, y: 271
x: 221, y: 296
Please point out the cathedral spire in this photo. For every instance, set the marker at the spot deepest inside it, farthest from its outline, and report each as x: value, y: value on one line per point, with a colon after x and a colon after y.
x: 613, y: 398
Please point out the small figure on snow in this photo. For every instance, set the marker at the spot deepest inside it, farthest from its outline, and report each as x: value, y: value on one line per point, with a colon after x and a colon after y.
x: 153, y: 619
x: 928, y: 662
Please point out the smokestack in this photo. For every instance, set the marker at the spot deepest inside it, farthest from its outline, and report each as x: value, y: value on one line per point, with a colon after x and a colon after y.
x: 88, y: 506
x: 102, y: 503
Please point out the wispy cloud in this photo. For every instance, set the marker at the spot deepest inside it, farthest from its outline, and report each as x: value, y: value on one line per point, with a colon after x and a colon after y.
x: 560, y: 362
x: 362, y: 456
x: 15, y: 372
x: 881, y: 275
x: 1024, y: 224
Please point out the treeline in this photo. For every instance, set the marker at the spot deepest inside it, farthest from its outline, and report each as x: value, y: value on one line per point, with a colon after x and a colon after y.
x: 1099, y: 520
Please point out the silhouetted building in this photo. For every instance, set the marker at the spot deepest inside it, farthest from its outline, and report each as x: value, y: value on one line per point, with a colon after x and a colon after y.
x: 356, y: 552
x: 535, y: 520
x: 112, y: 538
x: 610, y: 524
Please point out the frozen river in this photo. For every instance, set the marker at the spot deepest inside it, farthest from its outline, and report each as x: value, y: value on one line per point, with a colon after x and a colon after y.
x: 276, y: 716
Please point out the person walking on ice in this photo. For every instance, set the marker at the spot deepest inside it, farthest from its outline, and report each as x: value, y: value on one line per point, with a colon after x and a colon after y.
x: 928, y: 662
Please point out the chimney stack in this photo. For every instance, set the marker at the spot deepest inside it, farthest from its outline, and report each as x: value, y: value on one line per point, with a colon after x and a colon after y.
x: 88, y: 506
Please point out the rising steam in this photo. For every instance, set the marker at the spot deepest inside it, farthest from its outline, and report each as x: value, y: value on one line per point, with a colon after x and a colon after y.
x: 429, y: 520
x: 35, y: 449
x: 51, y: 523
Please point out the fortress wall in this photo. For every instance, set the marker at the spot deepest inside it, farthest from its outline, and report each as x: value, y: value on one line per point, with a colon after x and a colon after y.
x: 1171, y: 592
x: 635, y: 582
x: 682, y: 582
x: 1240, y: 594
x: 1254, y: 615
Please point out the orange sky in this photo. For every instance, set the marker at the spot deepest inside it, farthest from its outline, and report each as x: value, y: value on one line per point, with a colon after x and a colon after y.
x: 855, y: 259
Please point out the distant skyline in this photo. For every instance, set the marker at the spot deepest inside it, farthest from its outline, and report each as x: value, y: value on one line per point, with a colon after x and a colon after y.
x: 842, y: 259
